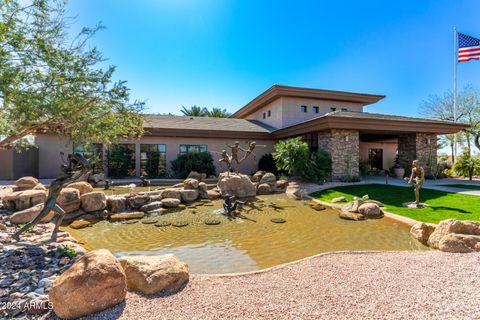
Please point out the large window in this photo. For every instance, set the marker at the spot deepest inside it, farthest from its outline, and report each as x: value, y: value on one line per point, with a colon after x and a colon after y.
x: 312, y: 140
x: 186, y: 148
x: 93, y: 152
x: 153, y: 160
x: 121, y: 160
x: 375, y: 159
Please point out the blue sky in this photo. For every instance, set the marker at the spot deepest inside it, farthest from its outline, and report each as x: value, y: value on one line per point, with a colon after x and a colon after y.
x: 224, y: 53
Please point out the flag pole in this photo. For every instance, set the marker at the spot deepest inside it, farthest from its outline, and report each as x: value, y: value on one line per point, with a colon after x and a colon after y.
x: 455, y: 52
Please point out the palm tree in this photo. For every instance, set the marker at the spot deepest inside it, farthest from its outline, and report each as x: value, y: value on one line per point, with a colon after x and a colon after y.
x: 218, y: 113
x: 194, y: 111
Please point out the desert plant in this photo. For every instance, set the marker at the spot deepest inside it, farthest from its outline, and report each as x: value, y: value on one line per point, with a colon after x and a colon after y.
x: 193, y: 161
x: 467, y: 166
x: 64, y: 251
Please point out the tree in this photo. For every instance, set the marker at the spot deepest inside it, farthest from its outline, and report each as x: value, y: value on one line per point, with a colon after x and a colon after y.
x: 467, y: 166
x: 51, y: 83
x: 218, y: 113
x: 194, y: 111
x: 468, y: 111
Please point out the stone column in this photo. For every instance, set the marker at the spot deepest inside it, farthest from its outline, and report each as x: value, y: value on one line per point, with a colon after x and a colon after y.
x: 344, y: 149
x: 419, y: 146
x: 137, y: 159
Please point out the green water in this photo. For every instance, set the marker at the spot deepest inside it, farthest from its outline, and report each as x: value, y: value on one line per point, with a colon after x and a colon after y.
x: 240, y: 245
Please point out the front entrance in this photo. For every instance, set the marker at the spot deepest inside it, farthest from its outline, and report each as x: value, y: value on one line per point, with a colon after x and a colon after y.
x: 375, y: 159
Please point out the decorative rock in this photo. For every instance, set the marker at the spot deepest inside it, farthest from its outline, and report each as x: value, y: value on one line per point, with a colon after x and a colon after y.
x: 339, y: 199
x: 26, y: 183
x: 414, y: 205
x: 461, y: 243
x: 282, y: 184
x: 212, y: 194
x: 422, y: 231
x: 157, y: 212
x: 80, y: 224
x: 149, y: 221
x: 97, y: 178
x: 162, y: 224
x: 116, y: 204
x: 93, y: 201
x: 197, y: 176
x: 152, y: 274
x: 95, y: 282
x: 212, y: 222
x: 347, y: 215
x: 29, y: 214
x: 5, y: 191
x: 238, y: 185
x: 378, y: 203
x: 82, y: 187
x: 138, y: 201
x: 131, y: 221
x: 371, y: 210
x: 151, y: 206
x: 257, y: 176
x: 189, y: 195
x: 452, y: 226
x: 180, y: 224
x: 40, y: 186
x: 21, y: 200
x: 202, y: 187
x: 170, y: 202
x: 69, y: 199
x: 317, y: 206
x: 264, y: 188
x: 190, y: 184
x: 171, y: 193
x: 270, y: 179
x: 278, y: 220
x: 352, y: 206
x: 3, y: 227
x: 126, y: 215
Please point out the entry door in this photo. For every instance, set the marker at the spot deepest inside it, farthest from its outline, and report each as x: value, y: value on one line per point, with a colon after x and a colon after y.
x: 375, y: 158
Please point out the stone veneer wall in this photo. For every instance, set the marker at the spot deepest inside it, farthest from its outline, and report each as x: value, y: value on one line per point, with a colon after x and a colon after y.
x: 420, y: 146
x: 344, y: 149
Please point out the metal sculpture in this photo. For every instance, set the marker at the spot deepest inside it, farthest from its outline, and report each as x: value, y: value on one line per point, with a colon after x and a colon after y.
x: 228, y: 160
x: 77, y: 169
x: 230, y: 207
x: 416, y: 179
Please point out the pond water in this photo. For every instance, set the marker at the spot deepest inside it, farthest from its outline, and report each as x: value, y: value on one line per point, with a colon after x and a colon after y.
x: 241, y: 245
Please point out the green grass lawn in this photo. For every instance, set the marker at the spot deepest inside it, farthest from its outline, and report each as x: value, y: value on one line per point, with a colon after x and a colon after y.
x: 441, y: 205
x: 462, y: 186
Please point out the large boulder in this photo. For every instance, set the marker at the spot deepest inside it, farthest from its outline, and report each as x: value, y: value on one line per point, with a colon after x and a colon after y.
x: 151, y: 206
x: 257, y: 176
x: 26, y: 183
x: 264, y: 188
x: 171, y: 193
x: 422, y: 231
x: 69, y: 199
x: 170, y: 202
x: 93, y: 201
x: 452, y: 226
x: 348, y: 215
x: 213, y: 194
x: 190, y: 184
x: 97, y: 178
x: 40, y: 186
x: 151, y: 274
x: 352, y: 206
x: 238, y: 185
x: 371, y: 210
x: 270, y: 179
x: 80, y: 224
x: 82, y: 187
x: 281, y: 185
x: 197, y: 176
x: 202, y: 187
x: 127, y: 215
x: 21, y: 200
x: 461, y: 243
x: 189, y: 195
x: 4, y: 191
x: 138, y: 201
x: 29, y: 214
x: 95, y: 282
x: 116, y: 203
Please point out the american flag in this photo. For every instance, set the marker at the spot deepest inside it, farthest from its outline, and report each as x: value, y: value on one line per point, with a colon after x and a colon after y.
x: 468, y: 48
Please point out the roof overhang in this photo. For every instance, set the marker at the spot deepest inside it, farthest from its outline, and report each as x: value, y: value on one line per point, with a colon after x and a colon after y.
x: 278, y: 91
x: 199, y: 133
x: 372, y: 126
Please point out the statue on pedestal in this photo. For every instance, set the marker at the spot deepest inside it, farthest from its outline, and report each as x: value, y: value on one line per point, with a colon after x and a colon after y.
x: 417, y: 178
x: 77, y: 170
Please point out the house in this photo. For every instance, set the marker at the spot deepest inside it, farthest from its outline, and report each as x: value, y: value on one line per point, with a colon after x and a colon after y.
x: 326, y: 119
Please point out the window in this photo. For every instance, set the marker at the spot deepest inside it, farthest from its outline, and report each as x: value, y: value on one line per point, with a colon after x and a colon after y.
x: 186, y: 148
x: 333, y: 109
x: 121, y: 160
x: 92, y: 152
x: 315, y: 109
x: 375, y: 159
x: 312, y: 140
x: 269, y: 113
x: 303, y: 108
x: 264, y: 116
x: 153, y: 160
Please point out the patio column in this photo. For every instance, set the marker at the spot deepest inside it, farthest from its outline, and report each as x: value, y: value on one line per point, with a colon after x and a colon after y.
x: 344, y: 149
x: 418, y: 146
x: 138, y: 172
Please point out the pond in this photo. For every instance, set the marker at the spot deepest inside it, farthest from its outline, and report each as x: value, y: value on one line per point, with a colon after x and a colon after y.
x: 241, y: 245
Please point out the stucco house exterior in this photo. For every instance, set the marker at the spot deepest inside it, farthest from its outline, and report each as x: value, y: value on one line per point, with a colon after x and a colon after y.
x: 331, y: 120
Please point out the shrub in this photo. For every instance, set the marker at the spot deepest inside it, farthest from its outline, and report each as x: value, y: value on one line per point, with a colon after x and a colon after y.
x: 363, y: 168
x: 467, y: 166
x: 350, y: 179
x: 294, y: 157
x: 64, y: 251
x: 193, y: 161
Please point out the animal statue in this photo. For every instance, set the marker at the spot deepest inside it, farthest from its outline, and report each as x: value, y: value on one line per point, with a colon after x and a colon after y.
x: 230, y: 207
x: 77, y: 169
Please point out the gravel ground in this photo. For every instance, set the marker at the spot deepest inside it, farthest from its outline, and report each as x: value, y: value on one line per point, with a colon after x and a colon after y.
x: 383, y: 285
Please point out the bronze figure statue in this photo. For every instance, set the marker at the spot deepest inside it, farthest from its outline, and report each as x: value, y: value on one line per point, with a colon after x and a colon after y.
x: 416, y: 179
x: 78, y: 167
x: 225, y: 158
x: 234, y: 155
x: 249, y: 151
